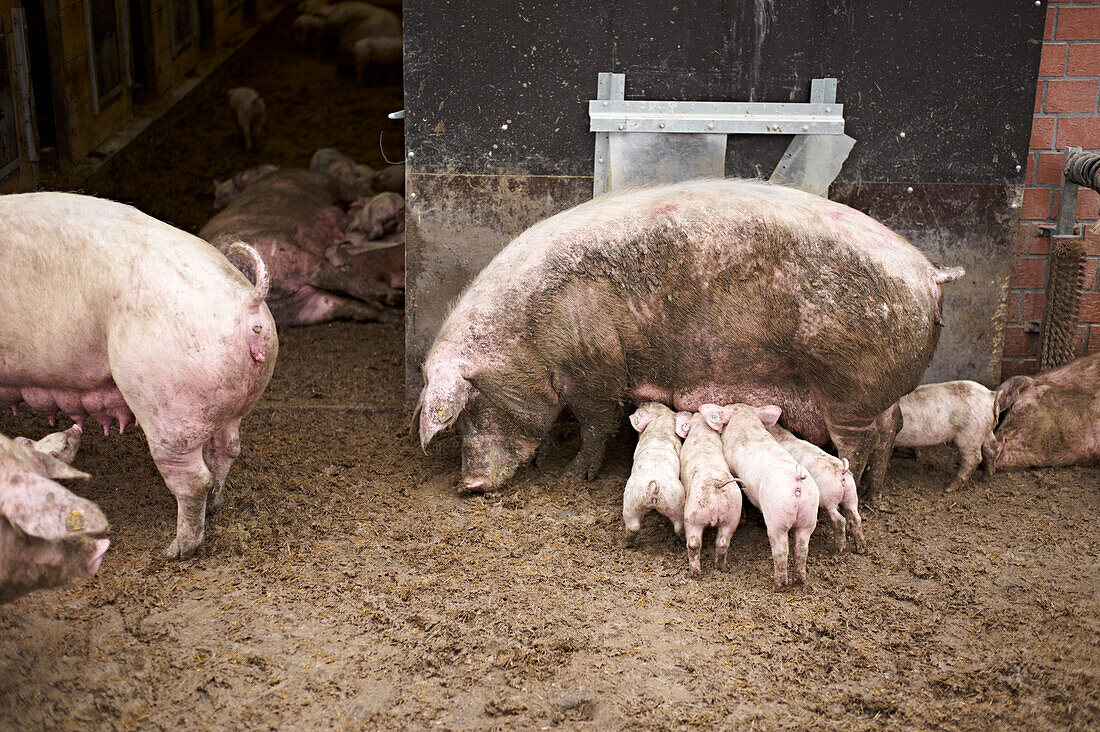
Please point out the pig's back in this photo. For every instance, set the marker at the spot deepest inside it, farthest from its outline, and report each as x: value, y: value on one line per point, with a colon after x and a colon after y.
x: 78, y: 266
x: 723, y: 230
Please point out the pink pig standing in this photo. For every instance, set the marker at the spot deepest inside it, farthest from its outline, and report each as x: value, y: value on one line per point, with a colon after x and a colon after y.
x: 45, y: 531
x: 654, y: 482
x: 773, y: 481
x: 713, y: 494
x: 249, y: 111
x: 155, y: 326
x: 835, y: 484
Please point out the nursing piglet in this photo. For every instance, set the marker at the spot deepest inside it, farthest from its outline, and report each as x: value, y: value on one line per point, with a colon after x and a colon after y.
x: 963, y: 412
x: 713, y: 494
x: 654, y: 482
x: 835, y: 484
x: 775, y: 483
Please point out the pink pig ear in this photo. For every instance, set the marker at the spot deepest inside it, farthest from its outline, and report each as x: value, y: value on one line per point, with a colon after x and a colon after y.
x: 640, y: 420
x: 683, y: 424
x: 768, y: 415
x: 844, y: 464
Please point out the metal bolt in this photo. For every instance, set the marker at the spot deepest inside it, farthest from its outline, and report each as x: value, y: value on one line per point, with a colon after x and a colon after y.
x: 1038, y: 3
x: 661, y: 125
x: 605, y: 104
x: 412, y: 195
x: 710, y: 126
x: 412, y: 154
x: 1013, y: 205
x: 601, y: 160
x: 1018, y: 168
x: 909, y: 189
x: 901, y: 134
x: 828, y: 109
x: 622, y: 126
x: 805, y: 127
x: 504, y: 127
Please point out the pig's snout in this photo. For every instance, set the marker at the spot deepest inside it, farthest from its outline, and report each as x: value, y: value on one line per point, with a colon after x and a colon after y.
x: 96, y: 559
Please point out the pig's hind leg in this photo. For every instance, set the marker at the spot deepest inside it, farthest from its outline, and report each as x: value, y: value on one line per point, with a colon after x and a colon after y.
x: 218, y: 453
x: 189, y: 479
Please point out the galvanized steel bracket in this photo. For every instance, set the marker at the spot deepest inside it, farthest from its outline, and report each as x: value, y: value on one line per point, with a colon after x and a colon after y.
x: 689, y: 137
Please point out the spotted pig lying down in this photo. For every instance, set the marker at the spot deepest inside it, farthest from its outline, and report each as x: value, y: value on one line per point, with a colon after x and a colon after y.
x: 719, y: 291
x: 117, y: 317
x: 1052, y: 418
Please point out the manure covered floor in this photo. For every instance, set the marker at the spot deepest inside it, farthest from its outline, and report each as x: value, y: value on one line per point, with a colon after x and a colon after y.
x: 345, y: 586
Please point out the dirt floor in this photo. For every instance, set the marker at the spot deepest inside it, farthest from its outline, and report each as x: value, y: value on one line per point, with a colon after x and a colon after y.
x: 345, y: 585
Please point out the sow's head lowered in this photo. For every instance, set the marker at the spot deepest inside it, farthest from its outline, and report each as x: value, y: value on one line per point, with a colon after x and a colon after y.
x: 494, y: 443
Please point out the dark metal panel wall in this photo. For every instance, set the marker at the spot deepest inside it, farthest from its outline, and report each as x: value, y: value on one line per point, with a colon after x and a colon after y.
x: 498, y: 87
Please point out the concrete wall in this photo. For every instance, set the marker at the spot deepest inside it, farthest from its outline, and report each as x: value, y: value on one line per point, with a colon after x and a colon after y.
x: 1066, y: 115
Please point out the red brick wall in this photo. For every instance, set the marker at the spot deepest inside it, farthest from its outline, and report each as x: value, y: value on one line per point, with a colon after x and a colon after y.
x: 1066, y: 113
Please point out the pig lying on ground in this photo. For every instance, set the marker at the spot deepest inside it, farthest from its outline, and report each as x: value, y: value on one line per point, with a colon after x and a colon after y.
x: 355, y: 177
x: 391, y: 178
x: 226, y: 191
x: 713, y: 494
x: 654, y: 483
x: 348, y: 22
x: 704, y: 291
x: 835, y: 484
x: 249, y: 111
x: 62, y: 446
x: 1052, y: 418
x: 773, y: 481
x: 45, y: 531
x: 293, y: 217
x: 376, y: 58
x: 963, y: 412
x: 377, y: 216
x: 156, y: 326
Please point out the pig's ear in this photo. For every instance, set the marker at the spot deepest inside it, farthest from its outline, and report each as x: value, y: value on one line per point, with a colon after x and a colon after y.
x: 1008, y: 392
x: 768, y: 415
x: 39, y: 507
x: 714, y: 415
x: 683, y: 424
x: 641, y: 419
x: 24, y: 441
x: 60, y: 470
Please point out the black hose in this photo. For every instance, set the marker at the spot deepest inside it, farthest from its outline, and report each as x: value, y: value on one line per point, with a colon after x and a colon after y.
x: 1084, y: 170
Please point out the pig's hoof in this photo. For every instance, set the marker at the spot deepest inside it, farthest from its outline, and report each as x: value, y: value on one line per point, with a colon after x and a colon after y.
x: 217, y: 498
x: 181, y: 549
x: 582, y: 469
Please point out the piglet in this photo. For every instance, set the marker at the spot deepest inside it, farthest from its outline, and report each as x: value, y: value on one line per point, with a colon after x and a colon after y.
x: 713, y: 494
x: 835, y: 484
x: 391, y: 178
x: 383, y: 214
x: 249, y: 111
x: 773, y: 480
x: 45, y: 531
x: 226, y: 191
x: 963, y: 412
x: 356, y: 177
x: 60, y: 445
x: 654, y: 482
x: 372, y: 56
